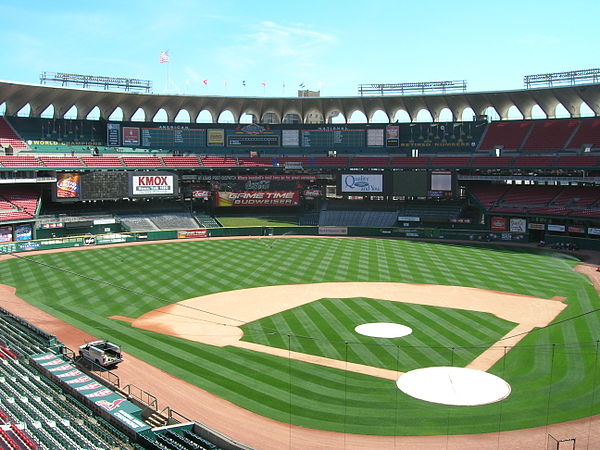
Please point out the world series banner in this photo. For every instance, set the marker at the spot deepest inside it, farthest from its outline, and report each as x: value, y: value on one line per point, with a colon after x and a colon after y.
x: 257, y: 198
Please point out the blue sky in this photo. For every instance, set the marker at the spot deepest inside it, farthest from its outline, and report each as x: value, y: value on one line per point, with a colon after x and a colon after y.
x: 330, y: 46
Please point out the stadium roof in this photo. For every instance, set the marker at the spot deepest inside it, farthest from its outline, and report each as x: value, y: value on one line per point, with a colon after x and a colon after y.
x: 39, y: 97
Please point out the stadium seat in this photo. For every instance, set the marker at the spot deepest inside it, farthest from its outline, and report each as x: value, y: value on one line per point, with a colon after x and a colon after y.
x: 506, y: 134
x: 549, y: 135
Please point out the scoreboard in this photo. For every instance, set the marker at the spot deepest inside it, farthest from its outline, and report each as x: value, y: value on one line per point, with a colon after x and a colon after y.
x: 173, y: 137
x: 333, y: 137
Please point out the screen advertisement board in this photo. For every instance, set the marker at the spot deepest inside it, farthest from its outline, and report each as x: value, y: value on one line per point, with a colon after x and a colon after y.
x: 365, y: 183
x: 131, y: 136
x: 6, y: 234
x: 23, y: 232
x: 257, y: 198
x: 113, y: 134
x: 152, y: 184
x: 68, y: 185
x: 518, y: 225
x: 498, y: 224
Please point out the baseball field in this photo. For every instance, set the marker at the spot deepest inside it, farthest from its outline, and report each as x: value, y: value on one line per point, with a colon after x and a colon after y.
x: 553, y: 371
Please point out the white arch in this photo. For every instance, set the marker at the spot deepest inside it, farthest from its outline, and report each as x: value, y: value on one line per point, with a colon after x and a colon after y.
x: 424, y: 116
x: 538, y: 113
x: 205, y: 116
x: 357, y: 117
x: 402, y: 116
x: 514, y: 113
x: 468, y: 114
x: 71, y: 113
x: 116, y: 115
x: 492, y: 114
x: 338, y: 118
x: 48, y: 113
x: 585, y: 110
x: 2, y: 108
x: 182, y: 116
x: 139, y: 116
x: 160, y: 116
x: 561, y: 112
x: 246, y: 118
x: 445, y: 115
x: 292, y: 118
x: 380, y: 116
x: 226, y: 117
x: 94, y: 114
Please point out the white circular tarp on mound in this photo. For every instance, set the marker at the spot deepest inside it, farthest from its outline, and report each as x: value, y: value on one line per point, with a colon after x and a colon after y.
x: 383, y: 330
x: 456, y: 386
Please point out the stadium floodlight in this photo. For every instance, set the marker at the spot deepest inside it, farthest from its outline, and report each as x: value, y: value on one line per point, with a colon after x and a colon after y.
x: 95, y: 81
x: 571, y: 78
x: 421, y: 87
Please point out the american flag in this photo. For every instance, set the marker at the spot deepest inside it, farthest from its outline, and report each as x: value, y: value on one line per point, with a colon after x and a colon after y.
x: 164, y: 57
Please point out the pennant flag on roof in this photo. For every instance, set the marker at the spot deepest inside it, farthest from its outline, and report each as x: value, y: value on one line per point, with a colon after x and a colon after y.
x: 264, y: 83
x: 164, y: 57
x: 205, y: 82
x: 302, y: 84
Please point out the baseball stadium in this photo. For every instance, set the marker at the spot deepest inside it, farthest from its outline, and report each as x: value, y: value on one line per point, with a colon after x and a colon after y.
x: 299, y: 280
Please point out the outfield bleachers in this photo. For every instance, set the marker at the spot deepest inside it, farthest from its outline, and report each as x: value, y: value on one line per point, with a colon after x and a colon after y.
x: 358, y: 218
x: 173, y: 221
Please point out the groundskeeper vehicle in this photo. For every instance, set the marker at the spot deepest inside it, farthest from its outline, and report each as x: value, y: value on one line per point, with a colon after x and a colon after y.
x: 103, y: 353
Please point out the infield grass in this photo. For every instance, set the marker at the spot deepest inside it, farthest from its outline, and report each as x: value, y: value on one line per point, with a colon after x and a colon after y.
x: 554, y: 372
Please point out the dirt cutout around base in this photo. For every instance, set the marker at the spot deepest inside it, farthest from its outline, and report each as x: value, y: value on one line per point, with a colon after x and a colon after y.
x: 215, y: 319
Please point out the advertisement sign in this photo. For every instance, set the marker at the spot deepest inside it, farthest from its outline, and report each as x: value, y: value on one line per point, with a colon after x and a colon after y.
x: 149, y: 184
x: 572, y: 229
x: 362, y: 183
x: 131, y: 136
x: 333, y: 231
x: 536, y: 226
x: 28, y: 246
x: 392, y: 136
x: 23, y: 232
x: 408, y: 219
x: 200, y: 193
x: 215, y: 138
x: 594, y: 231
x: 553, y: 227
x: 191, y: 234
x: 518, y: 225
x: 313, y: 193
x: 498, y: 224
x: 257, y: 198
x: 68, y: 185
x: 46, y: 226
x: 6, y: 234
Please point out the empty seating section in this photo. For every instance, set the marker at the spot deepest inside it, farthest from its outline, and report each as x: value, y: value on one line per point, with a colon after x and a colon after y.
x: 173, y: 221
x: 102, y: 161
x: 370, y: 161
x: 405, y: 161
x: 450, y: 161
x: 491, y: 161
x: 358, y: 218
x: 9, y: 137
x: 181, y: 161
x: 578, y: 161
x: 489, y: 194
x: 206, y: 221
x: 587, y: 134
x: 577, y: 201
x: 20, y: 161
x: 577, y: 196
x: 509, y: 135
x: 138, y: 222
x: 530, y: 195
x: 18, y: 204
x: 142, y: 161
x: 534, y: 161
x: 57, y: 161
x: 218, y: 161
x: 256, y: 162
x: 549, y: 135
x: 325, y: 161
x: 428, y: 212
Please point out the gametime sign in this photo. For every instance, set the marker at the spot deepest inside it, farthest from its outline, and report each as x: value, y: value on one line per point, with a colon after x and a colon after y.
x: 257, y: 198
x: 150, y: 184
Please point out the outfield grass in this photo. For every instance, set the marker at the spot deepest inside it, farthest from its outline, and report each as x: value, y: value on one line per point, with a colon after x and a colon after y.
x: 554, y: 372
x: 264, y: 221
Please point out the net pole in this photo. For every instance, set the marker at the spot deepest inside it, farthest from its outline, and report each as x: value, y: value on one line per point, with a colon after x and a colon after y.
x: 550, y: 387
x: 592, y: 401
x: 501, y: 402
x: 290, y: 385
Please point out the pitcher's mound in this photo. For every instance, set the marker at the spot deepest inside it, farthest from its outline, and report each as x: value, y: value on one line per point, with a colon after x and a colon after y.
x: 455, y: 386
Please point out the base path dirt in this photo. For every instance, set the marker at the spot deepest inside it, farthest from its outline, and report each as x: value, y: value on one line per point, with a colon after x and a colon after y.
x: 264, y: 433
